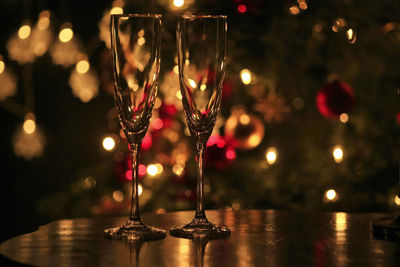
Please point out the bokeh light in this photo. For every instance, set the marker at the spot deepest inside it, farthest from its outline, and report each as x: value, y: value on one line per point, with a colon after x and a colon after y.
x: 344, y: 118
x: 66, y: 35
x: 245, y: 75
x: 108, y: 143
x: 29, y: 126
x: 2, y: 66
x: 82, y: 66
x: 337, y: 154
x: 330, y: 195
x: 118, y: 195
x: 24, y: 31
x: 397, y: 200
x: 152, y: 170
x: 271, y: 155
x: 242, y: 8
x: 178, y: 3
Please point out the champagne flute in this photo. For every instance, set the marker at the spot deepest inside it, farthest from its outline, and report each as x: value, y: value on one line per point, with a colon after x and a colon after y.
x: 201, y: 44
x: 135, y: 47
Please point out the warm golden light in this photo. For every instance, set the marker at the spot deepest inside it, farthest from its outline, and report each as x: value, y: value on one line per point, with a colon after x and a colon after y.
x: 140, y: 189
x: 141, y: 41
x: 44, y: 20
x: 118, y: 195
x: 29, y: 126
x: 294, y: 10
x: 344, y: 118
x: 108, y: 143
x: 82, y: 66
x: 192, y: 83
x: 179, y: 95
x: 337, y: 154
x: 177, y: 169
x: 24, y: 31
x: 178, y: 3
x: 159, y: 168
x: 271, y: 155
x: 351, y: 36
x: 245, y: 75
x: 330, y: 195
x: 244, y: 119
x: 176, y: 69
x: 397, y: 200
x: 303, y: 5
x: 203, y: 87
x: 116, y: 10
x: 152, y: 170
x: 66, y: 35
x: 2, y: 66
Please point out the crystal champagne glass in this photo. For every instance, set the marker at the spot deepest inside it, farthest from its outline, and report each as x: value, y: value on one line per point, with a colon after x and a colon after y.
x: 135, y: 47
x: 201, y: 45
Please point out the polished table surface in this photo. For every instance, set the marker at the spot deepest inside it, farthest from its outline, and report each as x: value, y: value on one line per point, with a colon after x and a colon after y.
x: 259, y: 238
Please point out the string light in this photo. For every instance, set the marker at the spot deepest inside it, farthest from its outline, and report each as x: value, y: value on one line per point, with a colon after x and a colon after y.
x: 108, y: 143
x: 118, y: 196
x: 271, y: 155
x: 330, y: 195
x: 245, y: 75
x: 337, y: 154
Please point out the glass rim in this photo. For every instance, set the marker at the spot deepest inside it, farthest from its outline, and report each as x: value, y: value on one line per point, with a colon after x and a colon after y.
x: 203, y: 16
x: 136, y: 15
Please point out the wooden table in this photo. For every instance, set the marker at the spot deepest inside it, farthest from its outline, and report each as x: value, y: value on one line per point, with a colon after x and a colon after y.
x: 259, y: 238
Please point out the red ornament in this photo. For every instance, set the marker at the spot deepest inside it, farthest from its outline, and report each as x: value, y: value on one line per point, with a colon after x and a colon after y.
x: 335, y: 98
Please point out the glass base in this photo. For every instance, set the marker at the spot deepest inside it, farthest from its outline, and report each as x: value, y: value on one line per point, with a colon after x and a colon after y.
x: 135, y: 230
x: 200, y: 228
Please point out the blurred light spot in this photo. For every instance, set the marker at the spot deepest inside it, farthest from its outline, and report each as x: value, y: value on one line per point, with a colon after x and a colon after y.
x: 24, y: 31
x: 142, y: 170
x: 177, y: 169
x: 128, y: 175
x: 271, y: 155
x: 82, y: 66
x: 160, y: 211
x: 192, y: 83
x: 116, y: 10
x: 140, y: 189
x: 351, y: 36
x: 178, y: 3
x: 230, y: 154
x: 176, y: 69
x: 141, y: 41
x: 152, y: 170
x: 242, y: 8
x: 245, y: 75
x: 179, y: 95
x: 235, y: 206
x: 294, y: 10
x: 397, y: 200
x: 159, y: 168
x: 29, y: 126
x: 89, y: 182
x: 303, y: 5
x: 66, y: 35
x: 44, y: 20
x: 203, y: 87
x: 298, y: 103
x: 337, y: 154
x: 118, y: 195
x: 157, y: 124
x: 340, y: 221
x: 330, y: 195
x: 108, y: 143
x: 157, y: 103
x: 344, y: 118
x: 244, y: 119
x: 173, y: 136
x: 2, y: 66
x: 254, y: 140
x: 147, y: 142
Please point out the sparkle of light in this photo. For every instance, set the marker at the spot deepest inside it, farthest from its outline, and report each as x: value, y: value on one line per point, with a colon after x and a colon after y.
x: 178, y: 3
x: 29, y: 126
x: 344, y: 118
x: 337, y: 154
x: 203, y: 87
x: 330, y: 194
x: 66, y: 35
x: 177, y: 169
x: 157, y: 124
x: 192, y: 83
x: 24, y: 31
x: 118, y: 195
x: 244, y: 119
x: 245, y: 75
x: 108, y: 143
x: 152, y: 170
x: 303, y: 5
x: 271, y: 155
x: 82, y: 66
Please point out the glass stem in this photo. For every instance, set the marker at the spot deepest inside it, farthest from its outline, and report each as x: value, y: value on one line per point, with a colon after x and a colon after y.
x: 134, y: 214
x: 200, y: 213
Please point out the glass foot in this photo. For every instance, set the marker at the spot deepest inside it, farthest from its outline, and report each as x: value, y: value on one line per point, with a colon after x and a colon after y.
x: 200, y: 228
x: 133, y: 231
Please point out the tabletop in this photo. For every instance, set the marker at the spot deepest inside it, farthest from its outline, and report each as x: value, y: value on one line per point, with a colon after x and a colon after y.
x: 258, y: 238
